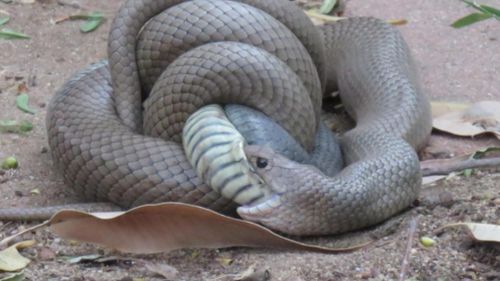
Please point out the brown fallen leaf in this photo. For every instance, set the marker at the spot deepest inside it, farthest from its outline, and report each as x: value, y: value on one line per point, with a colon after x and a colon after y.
x: 22, y: 88
x: 170, y: 226
x: 481, y: 232
x: 479, y: 118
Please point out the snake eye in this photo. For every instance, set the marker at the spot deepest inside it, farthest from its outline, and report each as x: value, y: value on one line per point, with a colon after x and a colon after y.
x: 261, y: 163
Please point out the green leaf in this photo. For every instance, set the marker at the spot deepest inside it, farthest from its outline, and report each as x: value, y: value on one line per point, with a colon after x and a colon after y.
x: 470, y: 19
x: 22, y: 103
x: 483, y: 151
x: 7, y: 33
x: 468, y: 173
x: 491, y: 10
x: 93, y: 21
x: 12, y: 126
x: 474, y: 5
x: 14, y: 277
x: 327, y: 6
x: 4, y: 20
x: 488, y: 10
x: 10, y: 163
x: 427, y: 241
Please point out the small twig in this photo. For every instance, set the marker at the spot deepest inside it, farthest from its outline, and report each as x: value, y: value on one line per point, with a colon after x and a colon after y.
x: 409, y: 244
x: 72, y: 5
x: 61, y: 19
x: 250, y: 274
x: 6, y: 241
x: 72, y: 17
x: 5, y: 225
x: 446, y: 166
x: 323, y: 17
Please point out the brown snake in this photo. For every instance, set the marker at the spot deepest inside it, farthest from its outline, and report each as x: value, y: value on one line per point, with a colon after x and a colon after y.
x: 263, y: 54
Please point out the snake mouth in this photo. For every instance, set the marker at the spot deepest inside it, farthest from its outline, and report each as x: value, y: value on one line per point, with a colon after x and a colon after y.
x: 260, y: 211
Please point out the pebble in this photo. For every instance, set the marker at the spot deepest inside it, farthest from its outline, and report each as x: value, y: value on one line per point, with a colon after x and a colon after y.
x: 496, y: 201
x: 371, y: 273
x: 46, y: 254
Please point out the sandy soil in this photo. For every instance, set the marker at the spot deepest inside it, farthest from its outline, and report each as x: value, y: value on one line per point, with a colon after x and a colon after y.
x: 455, y: 65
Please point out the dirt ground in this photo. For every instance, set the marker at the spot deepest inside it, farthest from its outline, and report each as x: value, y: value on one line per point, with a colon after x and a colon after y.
x: 455, y: 65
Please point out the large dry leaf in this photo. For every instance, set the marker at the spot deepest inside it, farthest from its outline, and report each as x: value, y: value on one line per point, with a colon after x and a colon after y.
x: 479, y: 118
x: 480, y: 231
x: 169, y: 226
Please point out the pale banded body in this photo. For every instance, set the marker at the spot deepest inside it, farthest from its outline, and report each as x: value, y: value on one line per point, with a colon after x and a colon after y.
x: 214, y: 148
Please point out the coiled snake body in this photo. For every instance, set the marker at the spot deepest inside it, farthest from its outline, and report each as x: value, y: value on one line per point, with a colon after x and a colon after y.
x: 263, y: 54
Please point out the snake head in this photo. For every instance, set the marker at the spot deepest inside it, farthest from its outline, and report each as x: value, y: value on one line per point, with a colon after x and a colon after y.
x: 291, y: 205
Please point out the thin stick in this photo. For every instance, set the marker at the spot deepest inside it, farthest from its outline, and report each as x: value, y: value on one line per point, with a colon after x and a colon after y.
x: 72, y: 5
x: 6, y: 241
x: 446, y: 166
x: 5, y: 225
x: 409, y: 243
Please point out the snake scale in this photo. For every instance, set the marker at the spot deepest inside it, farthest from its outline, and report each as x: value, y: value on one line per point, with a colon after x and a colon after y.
x: 267, y: 55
